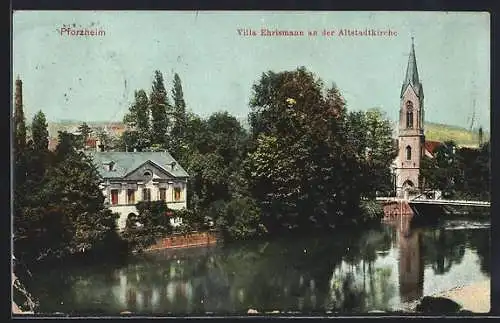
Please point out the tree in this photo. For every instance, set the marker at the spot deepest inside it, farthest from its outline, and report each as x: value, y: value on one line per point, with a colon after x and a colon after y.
x: 443, y: 171
x: 73, y: 194
x: 179, y: 122
x: 160, y: 111
x: 310, y: 161
x: 208, y: 180
x: 138, y: 122
x: 85, y: 131
x: 228, y: 137
x: 105, y: 139
x: 241, y: 219
x: 64, y: 213
x: 37, y: 154
x: 380, y: 151
x: 40, y: 133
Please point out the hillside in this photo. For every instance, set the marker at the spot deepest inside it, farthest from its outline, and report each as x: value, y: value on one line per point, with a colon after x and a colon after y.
x: 433, y: 131
x: 461, y: 136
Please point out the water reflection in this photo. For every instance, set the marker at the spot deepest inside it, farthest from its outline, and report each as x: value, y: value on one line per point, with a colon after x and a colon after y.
x: 346, y: 272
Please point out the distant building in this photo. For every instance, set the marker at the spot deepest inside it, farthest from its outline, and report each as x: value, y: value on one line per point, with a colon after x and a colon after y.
x: 131, y: 177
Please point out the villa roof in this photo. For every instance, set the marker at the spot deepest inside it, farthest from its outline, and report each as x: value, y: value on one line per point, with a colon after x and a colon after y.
x: 126, y: 162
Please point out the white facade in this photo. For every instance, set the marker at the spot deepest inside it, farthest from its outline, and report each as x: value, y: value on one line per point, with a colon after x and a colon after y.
x: 125, y: 207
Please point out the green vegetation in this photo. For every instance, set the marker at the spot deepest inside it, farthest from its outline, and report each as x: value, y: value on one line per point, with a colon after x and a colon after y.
x: 461, y: 136
x: 305, y: 163
x: 64, y: 213
x: 462, y: 173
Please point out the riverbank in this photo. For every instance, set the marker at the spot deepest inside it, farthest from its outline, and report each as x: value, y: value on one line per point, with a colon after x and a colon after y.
x: 474, y: 298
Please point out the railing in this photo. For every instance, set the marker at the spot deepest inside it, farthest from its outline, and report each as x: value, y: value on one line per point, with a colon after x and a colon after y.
x: 436, y: 202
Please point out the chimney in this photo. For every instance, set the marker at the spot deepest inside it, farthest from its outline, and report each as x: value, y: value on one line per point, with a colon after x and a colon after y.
x: 172, y: 164
x: 19, y: 123
x: 19, y: 95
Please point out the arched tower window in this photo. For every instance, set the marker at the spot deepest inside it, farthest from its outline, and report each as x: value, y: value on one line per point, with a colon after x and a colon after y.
x: 408, y: 153
x: 409, y: 114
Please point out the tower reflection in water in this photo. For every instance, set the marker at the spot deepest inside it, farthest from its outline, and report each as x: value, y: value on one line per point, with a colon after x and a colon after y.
x: 411, y: 264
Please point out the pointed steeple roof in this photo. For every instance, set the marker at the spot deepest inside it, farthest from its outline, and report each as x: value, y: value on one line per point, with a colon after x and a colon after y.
x: 411, y: 77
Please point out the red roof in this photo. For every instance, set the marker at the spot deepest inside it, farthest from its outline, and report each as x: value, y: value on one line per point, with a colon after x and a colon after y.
x: 91, y: 142
x: 431, y: 146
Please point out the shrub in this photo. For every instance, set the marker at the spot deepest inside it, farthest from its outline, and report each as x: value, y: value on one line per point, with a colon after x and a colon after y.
x: 371, y: 210
x: 241, y: 219
x: 151, y: 224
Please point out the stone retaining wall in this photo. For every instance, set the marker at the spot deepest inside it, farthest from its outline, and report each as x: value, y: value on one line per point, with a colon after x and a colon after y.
x: 393, y: 209
x: 194, y: 239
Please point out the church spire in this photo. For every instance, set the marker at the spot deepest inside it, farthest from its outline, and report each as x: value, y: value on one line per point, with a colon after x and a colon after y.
x: 411, y: 77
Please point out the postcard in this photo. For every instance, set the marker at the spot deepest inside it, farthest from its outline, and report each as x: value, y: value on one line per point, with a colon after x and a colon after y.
x: 250, y: 163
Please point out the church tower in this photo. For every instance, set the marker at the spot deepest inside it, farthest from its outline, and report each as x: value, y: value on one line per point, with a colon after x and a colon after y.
x: 411, y: 129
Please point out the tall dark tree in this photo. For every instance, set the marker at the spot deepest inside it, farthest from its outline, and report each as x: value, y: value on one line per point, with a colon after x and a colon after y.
x: 179, y: 104
x: 160, y: 111
x: 179, y: 118
x: 480, y: 136
x: 37, y: 154
x: 85, y: 131
x: 40, y: 132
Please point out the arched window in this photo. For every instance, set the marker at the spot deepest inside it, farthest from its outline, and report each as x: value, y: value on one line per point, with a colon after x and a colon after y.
x: 408, y: 153
x: 409, y: 114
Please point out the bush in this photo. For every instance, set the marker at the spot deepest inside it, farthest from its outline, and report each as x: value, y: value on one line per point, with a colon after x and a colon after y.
x: 240, y: 219
x: 371, y: 210
x: 191, y: 220
x: 151, y: 224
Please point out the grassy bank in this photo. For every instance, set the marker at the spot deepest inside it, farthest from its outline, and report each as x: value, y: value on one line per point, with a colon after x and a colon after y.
x: 461, y: 136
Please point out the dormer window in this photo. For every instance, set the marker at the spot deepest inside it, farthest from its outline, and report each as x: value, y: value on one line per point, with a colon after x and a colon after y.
x: 111, y: 166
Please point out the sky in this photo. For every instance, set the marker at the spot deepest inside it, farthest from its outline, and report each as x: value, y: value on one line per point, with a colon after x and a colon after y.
x: 93, y: 78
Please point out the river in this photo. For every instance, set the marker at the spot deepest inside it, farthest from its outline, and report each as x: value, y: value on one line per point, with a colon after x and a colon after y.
x: 347, y: 272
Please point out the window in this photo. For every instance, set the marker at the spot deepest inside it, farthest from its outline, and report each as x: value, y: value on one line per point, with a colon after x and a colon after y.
x: 408, y: 153
x: 177, y: 194
x: 146, y: 194
x: 131, y: 196
x: 148, y: 174
x: 163, y: 194
x: 409, y: 119
x: 114, y: 197
x: 409, y: 114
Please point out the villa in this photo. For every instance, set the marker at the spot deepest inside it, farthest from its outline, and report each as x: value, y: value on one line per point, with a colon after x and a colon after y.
x: 131, y: 177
